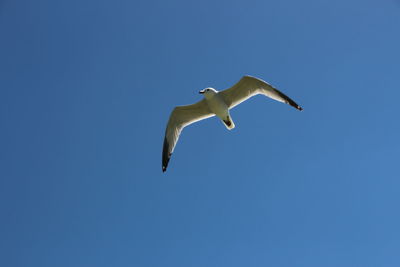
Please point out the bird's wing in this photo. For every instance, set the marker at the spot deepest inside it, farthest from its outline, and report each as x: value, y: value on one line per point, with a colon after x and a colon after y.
x: 181, y: 117
x: 250, y: 86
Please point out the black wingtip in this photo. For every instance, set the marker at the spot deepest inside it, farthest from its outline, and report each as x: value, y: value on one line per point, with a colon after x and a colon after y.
x: 289, y: 101
x: 294, y: 104
x: 165, y: 163
x: 165, y: 155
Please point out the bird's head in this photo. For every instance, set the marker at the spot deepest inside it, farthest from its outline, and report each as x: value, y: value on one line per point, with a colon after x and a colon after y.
x: 208, y: 92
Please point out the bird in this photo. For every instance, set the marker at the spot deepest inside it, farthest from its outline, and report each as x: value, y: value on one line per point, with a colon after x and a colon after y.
x: 216, y: 103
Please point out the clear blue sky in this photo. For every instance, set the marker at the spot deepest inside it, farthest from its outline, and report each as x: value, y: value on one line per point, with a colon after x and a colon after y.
x: 86, y: 88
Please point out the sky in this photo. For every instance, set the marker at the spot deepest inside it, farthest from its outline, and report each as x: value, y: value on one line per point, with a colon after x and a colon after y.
x: 87, y: 88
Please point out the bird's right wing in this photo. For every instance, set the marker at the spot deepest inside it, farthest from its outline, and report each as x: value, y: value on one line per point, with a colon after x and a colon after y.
x: 250, y: 86
x: 181, y: 117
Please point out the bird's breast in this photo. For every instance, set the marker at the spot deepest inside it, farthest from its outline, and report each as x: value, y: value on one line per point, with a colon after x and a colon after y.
x: 217, y: 106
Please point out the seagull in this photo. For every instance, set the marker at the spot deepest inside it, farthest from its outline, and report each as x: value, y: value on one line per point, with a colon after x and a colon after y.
x: 218, y: 104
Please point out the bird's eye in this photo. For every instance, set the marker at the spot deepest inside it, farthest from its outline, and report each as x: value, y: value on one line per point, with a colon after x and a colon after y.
x: 208, y: 90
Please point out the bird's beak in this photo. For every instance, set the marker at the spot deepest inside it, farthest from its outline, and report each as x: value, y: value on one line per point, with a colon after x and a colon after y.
x: 201, y: 92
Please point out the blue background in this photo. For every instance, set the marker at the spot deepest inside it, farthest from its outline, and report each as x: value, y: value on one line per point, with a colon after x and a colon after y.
x: 86, y: 88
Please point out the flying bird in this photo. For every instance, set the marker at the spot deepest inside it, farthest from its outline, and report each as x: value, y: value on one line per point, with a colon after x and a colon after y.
x: 217, y: 104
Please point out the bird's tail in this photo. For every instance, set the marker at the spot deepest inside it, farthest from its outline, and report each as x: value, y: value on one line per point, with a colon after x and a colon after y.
x: 228, y: 122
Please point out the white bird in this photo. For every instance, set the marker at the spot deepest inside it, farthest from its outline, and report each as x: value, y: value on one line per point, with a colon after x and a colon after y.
x: 219, y: 104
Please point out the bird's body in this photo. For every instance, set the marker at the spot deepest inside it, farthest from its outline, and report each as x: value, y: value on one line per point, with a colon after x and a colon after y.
x: 216, y: 104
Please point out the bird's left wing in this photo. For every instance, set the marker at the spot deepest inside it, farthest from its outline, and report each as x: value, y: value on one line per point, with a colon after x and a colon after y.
x: 250, y: 86
x: 181, y: 117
